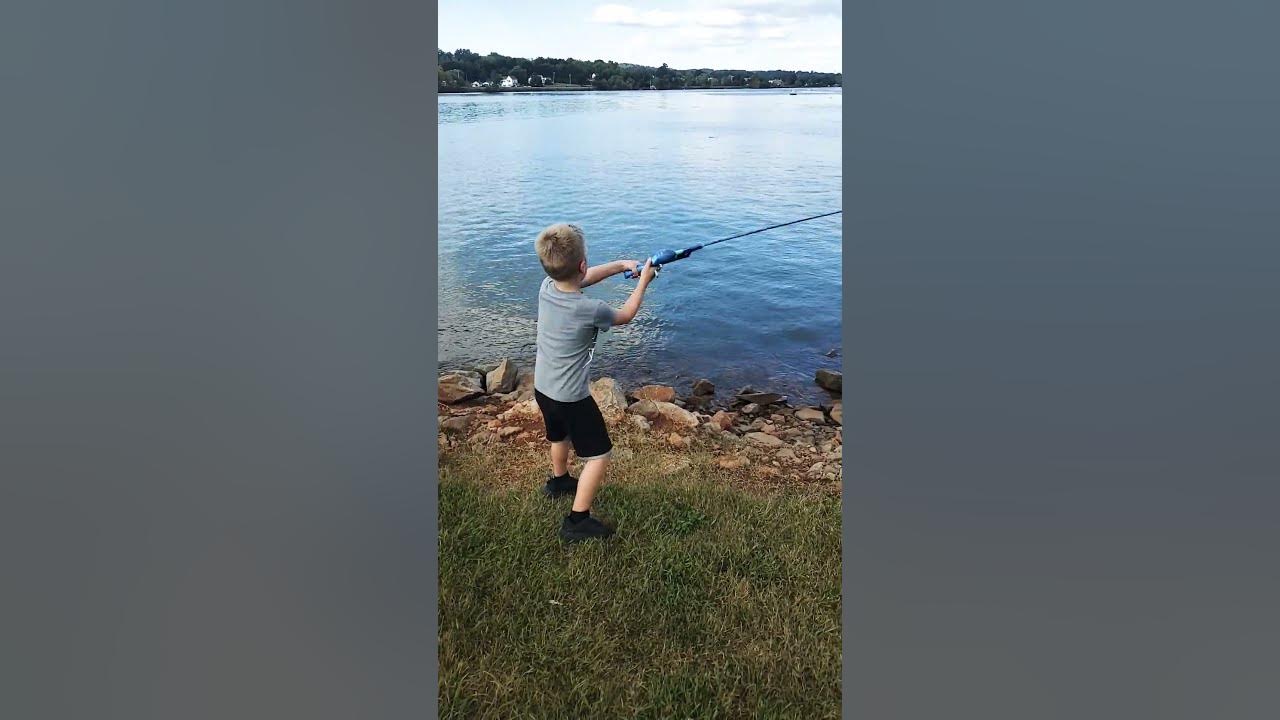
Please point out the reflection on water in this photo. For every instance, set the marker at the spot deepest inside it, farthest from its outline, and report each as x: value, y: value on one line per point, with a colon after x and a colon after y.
x: 643, y: 171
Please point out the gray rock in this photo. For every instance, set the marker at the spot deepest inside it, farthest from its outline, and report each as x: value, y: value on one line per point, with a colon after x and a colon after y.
x: 698, y: 402
x: 837, y: 413
x: 763, y: 439
x: 704, y: 387
x: 750, y: 409
x: 457, y: 387
x: 609, y: 397
x: 764, y: 398
x: 829, y: 380
x: 645, y: 408
x: 457, y: 424
x: 811, y: 415
x: 502, y: 379
x: 676, y: 415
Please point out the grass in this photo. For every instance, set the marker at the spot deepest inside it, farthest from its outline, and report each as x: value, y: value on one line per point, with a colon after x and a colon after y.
x: 713, y: 601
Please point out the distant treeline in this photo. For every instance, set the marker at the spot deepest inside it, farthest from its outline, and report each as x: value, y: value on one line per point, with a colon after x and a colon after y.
x: 460, y: 68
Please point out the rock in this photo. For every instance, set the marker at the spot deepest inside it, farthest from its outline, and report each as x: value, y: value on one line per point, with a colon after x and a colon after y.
x: 764, y: 398
x: 817, y: 470
x: 750, y: 409
x: 609, y: 397
x: 704, y: 388
x: 677, y: 416
x: 763, y: 439
x: 525, y: 410
x: 811, y: 415
x: 647, y: 409
x: 456, y: 387
x: 786, y: 454
x: 832, y: 352
x: 524, y: 385
x: 837, y: 413
x: 723, y: 420
x: 829, y: 380
x: 457, y: 424
x: 732, y: 462
x: 639, y: 422
x: 769, y: 428
x: 507, y: 432
x: 698, y: 402
x: 501, y: 379
x: 656, y: 393
x: 677, y: 440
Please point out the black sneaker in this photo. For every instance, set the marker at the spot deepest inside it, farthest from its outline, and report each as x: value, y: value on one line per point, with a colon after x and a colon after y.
x: 585, y: 529
x: 558, y: 488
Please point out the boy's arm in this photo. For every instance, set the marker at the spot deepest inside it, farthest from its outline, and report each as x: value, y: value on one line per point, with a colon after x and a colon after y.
x: 627, y: 312
x: 600, y: 272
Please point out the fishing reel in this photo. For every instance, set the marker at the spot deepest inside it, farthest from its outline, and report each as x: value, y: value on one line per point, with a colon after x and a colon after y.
x: 662, y: 258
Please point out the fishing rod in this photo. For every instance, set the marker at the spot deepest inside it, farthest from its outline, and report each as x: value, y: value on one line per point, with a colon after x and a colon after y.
x: 669, y: 256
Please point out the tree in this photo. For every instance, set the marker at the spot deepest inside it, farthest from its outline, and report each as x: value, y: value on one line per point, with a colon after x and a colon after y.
x: 520, y: 74
x: 535, y: 81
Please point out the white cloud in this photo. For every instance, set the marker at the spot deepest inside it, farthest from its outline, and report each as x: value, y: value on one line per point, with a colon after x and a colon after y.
x: 734, y: 32
x: 624, y: 15
x: 719, y: 17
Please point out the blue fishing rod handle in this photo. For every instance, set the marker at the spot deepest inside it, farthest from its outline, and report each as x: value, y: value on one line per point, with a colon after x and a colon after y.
x: 632, y: 275
x: 657, y: 260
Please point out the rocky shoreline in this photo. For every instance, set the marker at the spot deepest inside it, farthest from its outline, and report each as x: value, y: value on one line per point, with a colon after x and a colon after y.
x: 753, y: 428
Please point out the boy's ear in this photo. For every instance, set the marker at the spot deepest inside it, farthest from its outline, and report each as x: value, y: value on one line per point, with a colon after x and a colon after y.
x: 582, y: 267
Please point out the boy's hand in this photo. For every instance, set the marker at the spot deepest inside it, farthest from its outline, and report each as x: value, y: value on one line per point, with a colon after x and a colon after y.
x: 649, y: 271
x: 630, y: 266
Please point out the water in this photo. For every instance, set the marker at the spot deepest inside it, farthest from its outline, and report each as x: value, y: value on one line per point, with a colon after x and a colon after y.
x: 640, y: 172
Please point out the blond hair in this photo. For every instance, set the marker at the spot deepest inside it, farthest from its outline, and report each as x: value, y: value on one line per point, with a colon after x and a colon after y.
x: 561, y: 249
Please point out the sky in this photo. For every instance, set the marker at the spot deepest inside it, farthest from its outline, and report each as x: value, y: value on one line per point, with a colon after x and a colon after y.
x: 719, y: 34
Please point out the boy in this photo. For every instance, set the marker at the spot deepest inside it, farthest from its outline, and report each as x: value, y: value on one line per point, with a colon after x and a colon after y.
x: 568, y: 322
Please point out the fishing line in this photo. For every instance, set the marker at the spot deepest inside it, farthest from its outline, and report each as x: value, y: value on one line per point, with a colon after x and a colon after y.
x: 669, y: 256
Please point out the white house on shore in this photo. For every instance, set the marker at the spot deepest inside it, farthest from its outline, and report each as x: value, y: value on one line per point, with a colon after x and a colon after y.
x: 508, y: 82
x: 475, y: 84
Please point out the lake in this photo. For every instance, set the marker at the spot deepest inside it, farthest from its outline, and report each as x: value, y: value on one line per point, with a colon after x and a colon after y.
x: 641, y: 172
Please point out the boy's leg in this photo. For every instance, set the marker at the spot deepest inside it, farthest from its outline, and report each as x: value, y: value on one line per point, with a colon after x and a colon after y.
x: 591, y: 442
x: 559, y: 484
x: 559, y: 458
x: 590, y: 481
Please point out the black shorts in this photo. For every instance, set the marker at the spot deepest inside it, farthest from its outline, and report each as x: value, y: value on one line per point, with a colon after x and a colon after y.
x: 579, y: 421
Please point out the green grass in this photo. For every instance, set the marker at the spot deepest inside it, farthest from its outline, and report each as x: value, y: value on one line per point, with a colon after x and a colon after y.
x: 711, y: 602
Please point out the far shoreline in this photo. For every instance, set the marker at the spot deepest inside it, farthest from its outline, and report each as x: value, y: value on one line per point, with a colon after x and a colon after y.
x: 588, y: 88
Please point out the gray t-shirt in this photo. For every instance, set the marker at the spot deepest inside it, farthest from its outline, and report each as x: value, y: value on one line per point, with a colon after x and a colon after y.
x: 567, y: 328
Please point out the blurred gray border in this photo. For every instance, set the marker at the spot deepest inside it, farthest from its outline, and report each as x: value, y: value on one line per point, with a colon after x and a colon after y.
x: 217, y: 360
